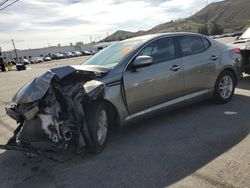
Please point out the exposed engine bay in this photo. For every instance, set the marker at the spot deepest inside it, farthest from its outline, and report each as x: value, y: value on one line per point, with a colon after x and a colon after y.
x: 50, y: 110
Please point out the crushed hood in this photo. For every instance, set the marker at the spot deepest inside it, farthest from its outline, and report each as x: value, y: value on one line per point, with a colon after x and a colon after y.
x: 37, y: 88
x: 62, y: 72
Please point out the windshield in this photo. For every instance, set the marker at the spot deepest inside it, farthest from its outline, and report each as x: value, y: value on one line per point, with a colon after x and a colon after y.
x: 246, y: 34
x: 114, y: 54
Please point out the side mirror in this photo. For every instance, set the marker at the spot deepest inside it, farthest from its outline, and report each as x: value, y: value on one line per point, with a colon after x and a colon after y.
x: 142, y: 61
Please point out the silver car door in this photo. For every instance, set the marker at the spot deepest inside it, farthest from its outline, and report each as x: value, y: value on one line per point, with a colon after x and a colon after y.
x: 153, y: 85
x: 199, y: 59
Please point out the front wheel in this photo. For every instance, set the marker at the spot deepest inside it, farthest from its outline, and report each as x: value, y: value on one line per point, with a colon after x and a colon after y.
x: 224, y: 87
x: 98, y: 124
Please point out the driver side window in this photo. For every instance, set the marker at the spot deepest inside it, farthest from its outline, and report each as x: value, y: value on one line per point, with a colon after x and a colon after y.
x: 160, y: 50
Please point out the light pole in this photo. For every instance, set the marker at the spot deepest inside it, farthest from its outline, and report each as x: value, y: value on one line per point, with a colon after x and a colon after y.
x: 14, y: 49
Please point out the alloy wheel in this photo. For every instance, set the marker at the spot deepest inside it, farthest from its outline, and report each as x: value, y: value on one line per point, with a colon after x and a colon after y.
x: 226, y: 87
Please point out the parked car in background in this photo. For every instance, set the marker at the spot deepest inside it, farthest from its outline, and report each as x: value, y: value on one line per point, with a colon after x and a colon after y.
x: 35, y: 60
x: 57, y: 56
x: 24, y: 61
x: 68, y: 54
x: 93, y: 52
x: 47, y: 58
x: 85, y: 52
x: 77, y: 53
x: 20, y: 66
x: 243, y: 43
x: 73, y: 54
x: 77, y: 105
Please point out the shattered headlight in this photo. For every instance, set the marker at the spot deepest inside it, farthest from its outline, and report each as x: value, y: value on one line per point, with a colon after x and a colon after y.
x: 23, y: 111
x: 92, y: 85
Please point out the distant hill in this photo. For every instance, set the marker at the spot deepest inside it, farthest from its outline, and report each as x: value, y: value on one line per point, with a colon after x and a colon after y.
x: 233, y: 15
x: 120, y: 35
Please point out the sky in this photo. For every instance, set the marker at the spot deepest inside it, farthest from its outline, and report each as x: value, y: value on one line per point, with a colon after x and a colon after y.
x: 42, y: 23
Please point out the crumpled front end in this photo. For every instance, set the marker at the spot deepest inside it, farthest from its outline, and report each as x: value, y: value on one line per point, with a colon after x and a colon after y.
x: 50, y: 112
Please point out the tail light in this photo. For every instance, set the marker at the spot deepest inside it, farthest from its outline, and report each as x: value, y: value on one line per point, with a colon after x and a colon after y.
x: 236, y: 50
x: 236, y: 56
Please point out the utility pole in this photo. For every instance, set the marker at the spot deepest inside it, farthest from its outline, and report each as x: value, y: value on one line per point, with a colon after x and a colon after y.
x: 14, y: 49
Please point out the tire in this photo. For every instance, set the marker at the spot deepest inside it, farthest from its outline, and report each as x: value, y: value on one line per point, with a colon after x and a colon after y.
x: 224, y: 87
x: 98, y: 125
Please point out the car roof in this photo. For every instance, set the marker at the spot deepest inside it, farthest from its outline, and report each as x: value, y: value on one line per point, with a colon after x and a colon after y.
x: 154, y: 36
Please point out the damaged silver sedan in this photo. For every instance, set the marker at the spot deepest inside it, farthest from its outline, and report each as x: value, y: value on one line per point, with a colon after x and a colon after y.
x: 75, y: 106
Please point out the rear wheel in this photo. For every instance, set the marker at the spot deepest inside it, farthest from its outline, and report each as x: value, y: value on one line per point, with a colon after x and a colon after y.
x: 224, y: 87
x: 98, y: 124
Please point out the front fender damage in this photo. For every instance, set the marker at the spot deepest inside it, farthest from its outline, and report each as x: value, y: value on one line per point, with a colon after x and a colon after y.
x: 54, y: 120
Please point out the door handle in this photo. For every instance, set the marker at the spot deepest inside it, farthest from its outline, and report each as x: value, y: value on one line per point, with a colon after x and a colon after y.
x: 175, y: 68
x: 214, y: 58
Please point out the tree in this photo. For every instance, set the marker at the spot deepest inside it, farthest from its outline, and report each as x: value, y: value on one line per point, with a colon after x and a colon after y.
x: 203, y: 29
x: 79, y: 43
x: 216, y: 29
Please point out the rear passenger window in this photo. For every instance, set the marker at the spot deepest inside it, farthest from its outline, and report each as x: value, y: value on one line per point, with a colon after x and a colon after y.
x: 191, y: 45
x: 160, y: 50
x: 206, y: 43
